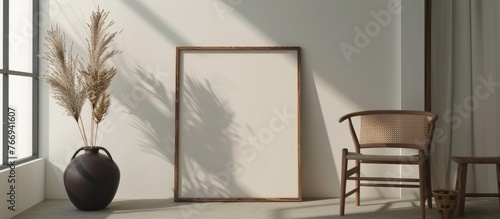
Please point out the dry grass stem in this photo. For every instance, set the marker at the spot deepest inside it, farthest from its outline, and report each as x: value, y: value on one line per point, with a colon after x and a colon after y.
x: 71, y: 87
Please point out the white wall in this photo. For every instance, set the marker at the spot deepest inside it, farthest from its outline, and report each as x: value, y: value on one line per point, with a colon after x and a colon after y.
x: 412, y: 55
x: 139, y: 131
x: 28, y: 180
x: 412, y: 72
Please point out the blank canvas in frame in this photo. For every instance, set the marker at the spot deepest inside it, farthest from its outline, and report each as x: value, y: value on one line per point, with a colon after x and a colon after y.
x: 238, y: 124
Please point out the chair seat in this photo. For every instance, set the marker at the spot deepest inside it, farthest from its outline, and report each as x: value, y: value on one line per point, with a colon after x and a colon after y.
x: 412, y: 159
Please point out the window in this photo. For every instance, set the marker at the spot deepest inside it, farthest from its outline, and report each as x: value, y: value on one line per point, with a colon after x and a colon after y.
x: 19, y: 81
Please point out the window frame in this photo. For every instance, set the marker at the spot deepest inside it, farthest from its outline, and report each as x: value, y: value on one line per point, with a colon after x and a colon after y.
x: 34, y: 74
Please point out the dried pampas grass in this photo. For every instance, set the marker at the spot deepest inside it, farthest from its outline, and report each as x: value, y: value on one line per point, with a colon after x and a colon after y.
x: 71, y: 87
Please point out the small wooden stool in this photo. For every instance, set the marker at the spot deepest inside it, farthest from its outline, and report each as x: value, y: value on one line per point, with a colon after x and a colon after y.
x: 462, y: 178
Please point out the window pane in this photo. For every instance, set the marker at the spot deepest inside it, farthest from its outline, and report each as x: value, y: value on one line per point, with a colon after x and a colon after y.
x: 1, y: 30
x: 20, y: 35
x: 20, y: 100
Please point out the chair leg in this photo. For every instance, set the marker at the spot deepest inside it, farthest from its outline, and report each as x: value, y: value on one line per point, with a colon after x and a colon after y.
x: 498, y: 182
x: 358, y: 187
x: 343, y: 182
x: 429, y: 184
x: 422, y: 180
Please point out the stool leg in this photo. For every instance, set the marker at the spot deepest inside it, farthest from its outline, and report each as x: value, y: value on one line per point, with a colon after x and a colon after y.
x: 460, y: 186
x: 429, y: 184
x: 498, y: 182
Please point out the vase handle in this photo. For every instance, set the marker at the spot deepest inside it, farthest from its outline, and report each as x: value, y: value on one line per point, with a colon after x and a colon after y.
x: 107, y: 152
x: 96, y: 147
x: 76, y: 152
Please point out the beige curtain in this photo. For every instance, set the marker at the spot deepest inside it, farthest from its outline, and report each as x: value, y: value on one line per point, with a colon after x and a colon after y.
x: 465, y: 89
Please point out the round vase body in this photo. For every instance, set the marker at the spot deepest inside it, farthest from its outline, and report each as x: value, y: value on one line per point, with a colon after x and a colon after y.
x: 91, y: 179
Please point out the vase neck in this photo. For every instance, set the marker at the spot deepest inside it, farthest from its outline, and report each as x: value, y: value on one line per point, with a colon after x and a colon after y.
x: 91, y: 150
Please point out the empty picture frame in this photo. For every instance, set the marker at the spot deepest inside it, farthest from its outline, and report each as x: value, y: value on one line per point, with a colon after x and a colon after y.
x: 237, y: 124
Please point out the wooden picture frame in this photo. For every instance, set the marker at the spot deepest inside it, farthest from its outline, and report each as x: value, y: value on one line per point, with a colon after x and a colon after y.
x: 237, y: 124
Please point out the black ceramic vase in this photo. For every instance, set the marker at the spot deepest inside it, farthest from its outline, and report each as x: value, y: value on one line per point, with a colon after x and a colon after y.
x: 91, y: 179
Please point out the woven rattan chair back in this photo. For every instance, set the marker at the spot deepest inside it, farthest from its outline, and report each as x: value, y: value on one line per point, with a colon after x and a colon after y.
x: 395, y: 130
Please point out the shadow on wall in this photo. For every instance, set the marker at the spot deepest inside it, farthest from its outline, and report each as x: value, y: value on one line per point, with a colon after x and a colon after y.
x: 208, y: 124
x: 316, y: 148
x: 151, y: 111
x: 156, y: 22
x: 152, y: 114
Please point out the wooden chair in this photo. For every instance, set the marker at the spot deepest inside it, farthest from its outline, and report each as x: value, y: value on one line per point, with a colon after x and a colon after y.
x: 389, y: 129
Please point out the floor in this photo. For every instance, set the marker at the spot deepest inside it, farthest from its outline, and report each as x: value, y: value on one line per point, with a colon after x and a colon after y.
x: 321, y: 209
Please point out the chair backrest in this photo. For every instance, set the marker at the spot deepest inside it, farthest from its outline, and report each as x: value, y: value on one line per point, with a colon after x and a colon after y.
x: 392, y: 129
